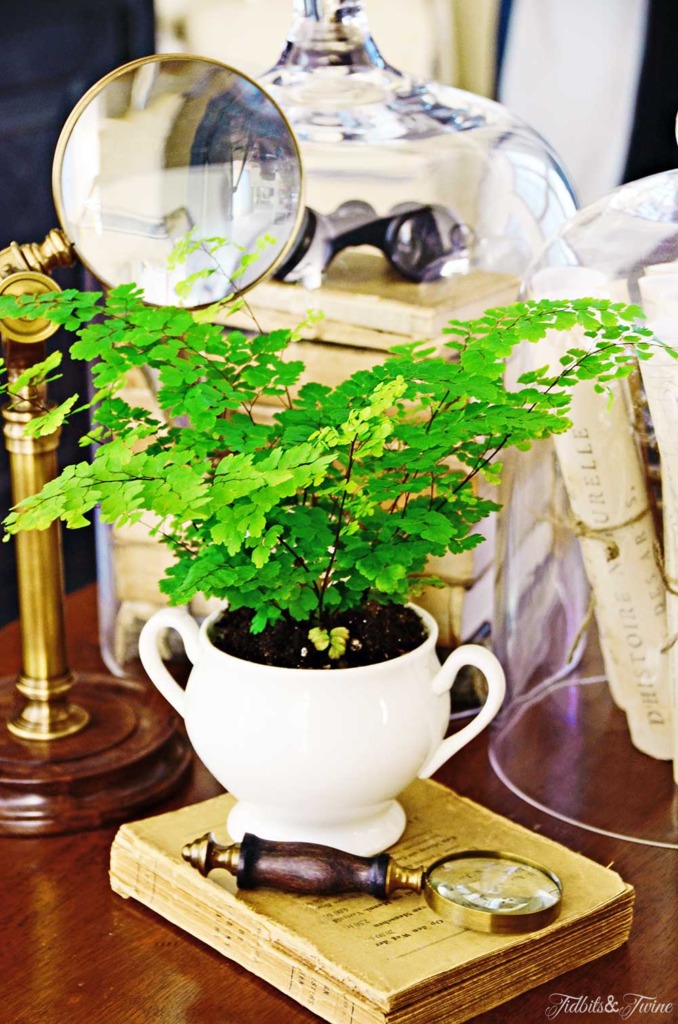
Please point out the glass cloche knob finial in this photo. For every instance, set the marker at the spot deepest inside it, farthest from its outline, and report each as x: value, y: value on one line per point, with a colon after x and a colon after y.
x: 371, y: 133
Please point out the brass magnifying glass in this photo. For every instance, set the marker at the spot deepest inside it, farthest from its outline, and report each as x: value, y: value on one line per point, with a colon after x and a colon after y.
x: 172, y: 149
x: 169, y: 153
x: 482, y: 890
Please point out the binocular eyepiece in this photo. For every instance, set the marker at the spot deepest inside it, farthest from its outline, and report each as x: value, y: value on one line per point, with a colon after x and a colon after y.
x: 421, y: 242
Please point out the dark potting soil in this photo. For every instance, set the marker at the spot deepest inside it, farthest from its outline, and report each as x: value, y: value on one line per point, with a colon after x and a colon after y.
x: 376, y: 633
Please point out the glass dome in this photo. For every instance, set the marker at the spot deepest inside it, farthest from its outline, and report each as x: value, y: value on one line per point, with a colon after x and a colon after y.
x: 619, y: 467
x: 444, y: 182
x: 372, y: 134
x: 628, y: 235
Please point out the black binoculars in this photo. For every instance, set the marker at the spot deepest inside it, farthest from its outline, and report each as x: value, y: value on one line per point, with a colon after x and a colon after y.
x: 422, y: 243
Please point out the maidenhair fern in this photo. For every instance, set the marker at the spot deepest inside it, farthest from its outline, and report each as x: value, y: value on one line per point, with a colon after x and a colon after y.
x: 342, y: 495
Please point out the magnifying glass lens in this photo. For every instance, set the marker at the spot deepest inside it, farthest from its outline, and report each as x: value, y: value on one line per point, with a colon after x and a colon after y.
x: 170, y: 171
x: 493, y: 885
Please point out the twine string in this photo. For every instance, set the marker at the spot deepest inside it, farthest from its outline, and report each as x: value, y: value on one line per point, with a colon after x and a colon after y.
x: 601, y: 533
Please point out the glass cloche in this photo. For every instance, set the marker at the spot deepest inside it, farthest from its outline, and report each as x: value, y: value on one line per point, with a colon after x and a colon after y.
x: 444, y: 182
x: 376, y: 142
x: 619, y: 467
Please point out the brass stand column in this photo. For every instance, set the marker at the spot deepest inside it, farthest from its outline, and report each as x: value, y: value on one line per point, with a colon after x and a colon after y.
x: 64, y: 765
x: 45, y: 678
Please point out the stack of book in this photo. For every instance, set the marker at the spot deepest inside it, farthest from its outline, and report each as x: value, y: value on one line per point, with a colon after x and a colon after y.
x: 367, y: 306
x: 355, y: 960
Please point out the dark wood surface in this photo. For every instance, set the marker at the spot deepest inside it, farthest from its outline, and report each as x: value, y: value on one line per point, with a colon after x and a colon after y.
x: 72, y: 952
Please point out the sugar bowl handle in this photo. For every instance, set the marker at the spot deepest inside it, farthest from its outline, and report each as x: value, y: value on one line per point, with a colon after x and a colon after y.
x: 187, y: 628
x: 479, y: 657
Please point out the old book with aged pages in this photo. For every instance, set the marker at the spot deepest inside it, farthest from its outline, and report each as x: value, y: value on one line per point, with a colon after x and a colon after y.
x: 353, y: 959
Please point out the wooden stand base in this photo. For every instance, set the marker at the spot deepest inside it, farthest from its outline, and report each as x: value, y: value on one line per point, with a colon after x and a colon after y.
x: 131, y: 754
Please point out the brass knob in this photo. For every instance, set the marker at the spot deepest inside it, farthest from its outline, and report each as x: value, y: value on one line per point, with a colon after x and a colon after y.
x: 206, y: 854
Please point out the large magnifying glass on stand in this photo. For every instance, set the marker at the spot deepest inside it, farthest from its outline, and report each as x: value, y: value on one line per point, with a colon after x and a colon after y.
x: 165, y: 150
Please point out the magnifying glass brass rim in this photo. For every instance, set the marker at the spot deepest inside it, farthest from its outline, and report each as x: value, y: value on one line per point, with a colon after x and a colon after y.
x: 493, y: 921
x: 159, y: 58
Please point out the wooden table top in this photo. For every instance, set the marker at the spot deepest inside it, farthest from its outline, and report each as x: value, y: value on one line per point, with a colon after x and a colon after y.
x: 72, y: 952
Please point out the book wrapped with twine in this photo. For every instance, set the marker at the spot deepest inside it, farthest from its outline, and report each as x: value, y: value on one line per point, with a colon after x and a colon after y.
x: 660, y: 380
x: 605, y: 481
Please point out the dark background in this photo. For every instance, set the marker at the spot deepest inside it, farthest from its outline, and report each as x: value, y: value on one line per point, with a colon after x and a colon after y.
x: 51, y: 52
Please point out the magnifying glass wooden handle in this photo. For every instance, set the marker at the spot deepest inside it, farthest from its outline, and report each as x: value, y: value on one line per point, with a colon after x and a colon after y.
x: 301, y: 867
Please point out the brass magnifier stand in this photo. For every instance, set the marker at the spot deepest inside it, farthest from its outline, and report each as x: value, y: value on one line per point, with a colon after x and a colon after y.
x: 76, y: 753
x: 65, y: 764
